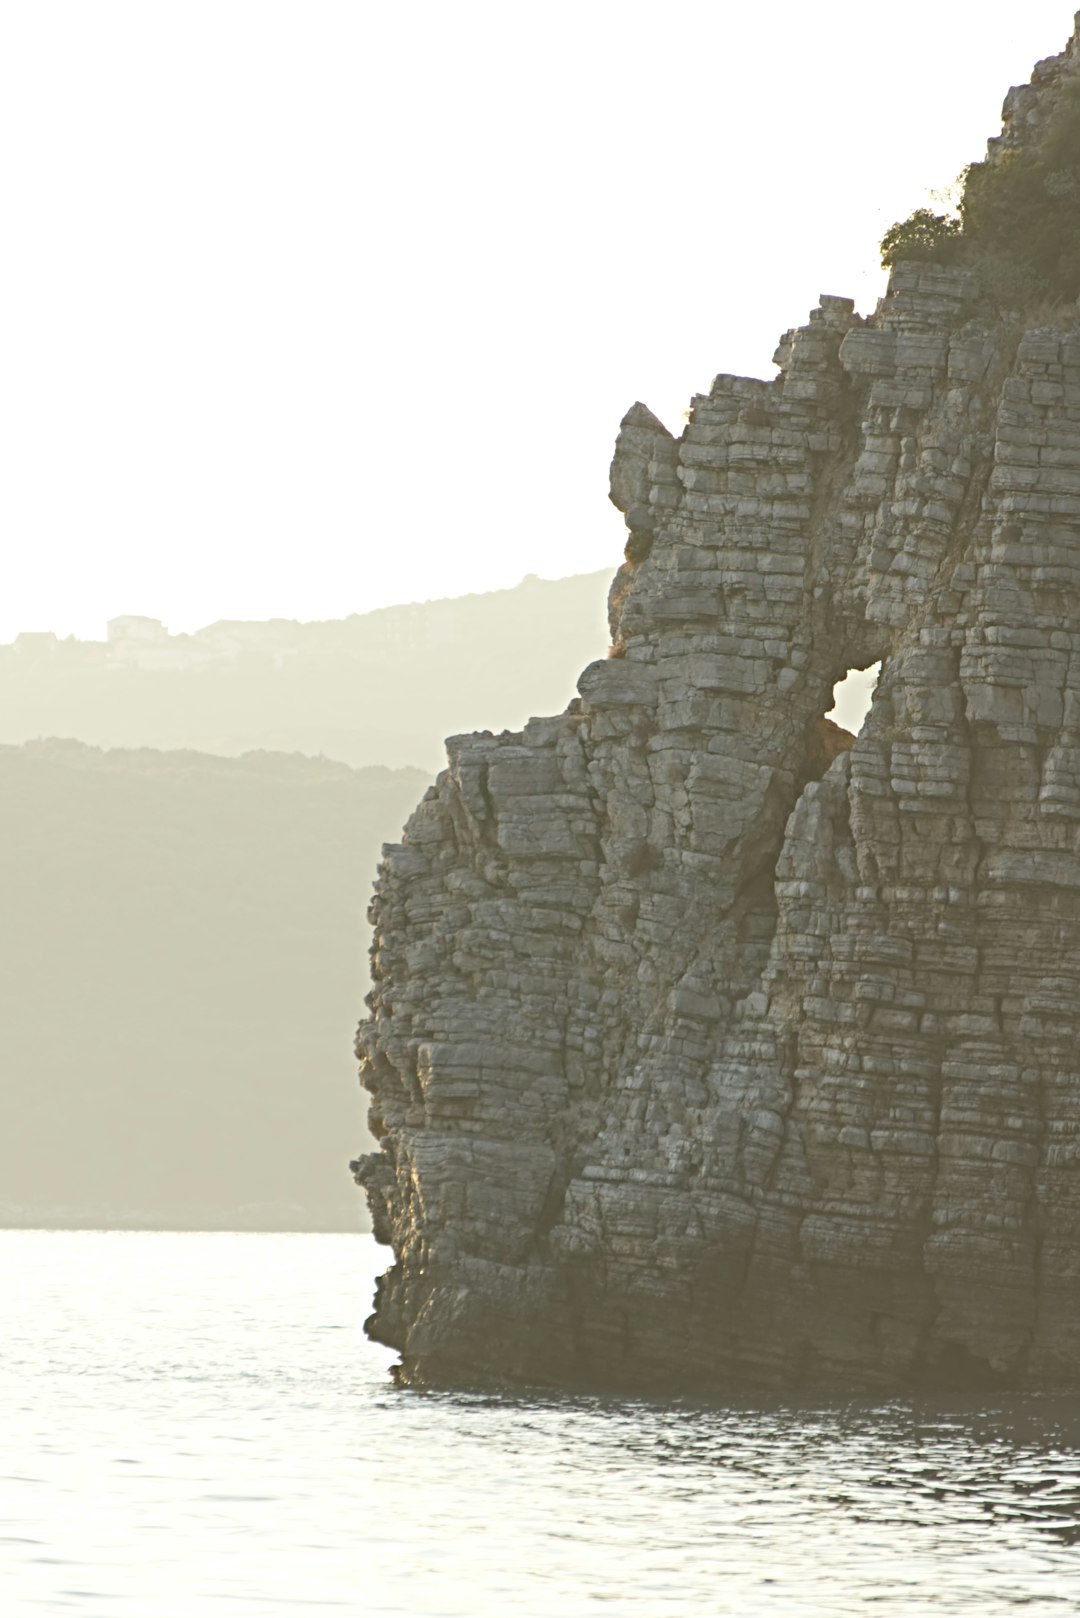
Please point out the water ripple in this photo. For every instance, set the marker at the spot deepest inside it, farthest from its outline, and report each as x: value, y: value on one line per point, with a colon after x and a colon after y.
x: 195, y: 1424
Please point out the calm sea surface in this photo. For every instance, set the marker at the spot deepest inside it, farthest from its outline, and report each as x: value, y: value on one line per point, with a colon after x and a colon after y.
x: 192, y: 1426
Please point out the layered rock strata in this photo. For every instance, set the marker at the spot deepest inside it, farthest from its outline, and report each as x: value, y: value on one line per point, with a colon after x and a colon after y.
x: 707, y: 1051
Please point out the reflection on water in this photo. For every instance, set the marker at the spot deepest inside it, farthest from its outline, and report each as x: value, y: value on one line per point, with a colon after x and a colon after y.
x: 194, y: 1426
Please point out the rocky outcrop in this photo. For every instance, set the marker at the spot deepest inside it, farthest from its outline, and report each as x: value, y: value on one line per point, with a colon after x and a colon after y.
x: 706, y: 1050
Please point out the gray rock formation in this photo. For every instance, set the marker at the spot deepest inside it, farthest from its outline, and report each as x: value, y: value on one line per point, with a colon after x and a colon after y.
x: 706, y: 1051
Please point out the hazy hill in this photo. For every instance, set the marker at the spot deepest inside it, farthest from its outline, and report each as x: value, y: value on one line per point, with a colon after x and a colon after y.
x: 182, y: 966
x: 379, y: 688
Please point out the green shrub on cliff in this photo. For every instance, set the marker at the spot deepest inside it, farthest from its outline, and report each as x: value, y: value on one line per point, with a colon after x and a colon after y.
x: 924, y: 235
x: 1018, y: 222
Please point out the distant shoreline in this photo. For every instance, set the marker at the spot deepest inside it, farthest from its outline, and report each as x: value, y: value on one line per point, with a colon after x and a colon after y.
x: 235, y: 1222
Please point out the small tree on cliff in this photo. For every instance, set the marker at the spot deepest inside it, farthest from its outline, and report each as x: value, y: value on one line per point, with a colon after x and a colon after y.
x: 925, y: 235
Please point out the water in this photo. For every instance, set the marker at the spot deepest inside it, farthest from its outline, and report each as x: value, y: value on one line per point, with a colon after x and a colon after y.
x: 192, y: 1426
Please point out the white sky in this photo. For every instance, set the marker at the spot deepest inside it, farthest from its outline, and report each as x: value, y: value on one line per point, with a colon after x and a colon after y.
x: 309, y: 307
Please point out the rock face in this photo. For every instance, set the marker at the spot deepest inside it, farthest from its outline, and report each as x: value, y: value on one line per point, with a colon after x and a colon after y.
x: 705, y: 1050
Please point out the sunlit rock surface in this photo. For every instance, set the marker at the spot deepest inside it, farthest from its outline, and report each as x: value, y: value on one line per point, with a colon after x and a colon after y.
x: 705, y: 1050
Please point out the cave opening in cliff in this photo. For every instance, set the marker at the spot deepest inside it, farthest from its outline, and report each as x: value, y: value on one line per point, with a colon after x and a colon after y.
x: 852, y: 697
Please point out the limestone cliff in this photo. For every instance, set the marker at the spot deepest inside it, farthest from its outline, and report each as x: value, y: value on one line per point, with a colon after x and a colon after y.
x: 705, y: 1051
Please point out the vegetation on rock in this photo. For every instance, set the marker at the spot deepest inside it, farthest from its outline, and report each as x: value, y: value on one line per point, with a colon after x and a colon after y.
x: 1018, y: 219
x: 924, y: 235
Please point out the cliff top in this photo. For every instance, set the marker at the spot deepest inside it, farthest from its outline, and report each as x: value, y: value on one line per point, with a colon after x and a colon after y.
x: 1017, y: 223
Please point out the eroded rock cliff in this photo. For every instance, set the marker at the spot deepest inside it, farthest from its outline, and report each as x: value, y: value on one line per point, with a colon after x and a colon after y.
x: 706, y: 1050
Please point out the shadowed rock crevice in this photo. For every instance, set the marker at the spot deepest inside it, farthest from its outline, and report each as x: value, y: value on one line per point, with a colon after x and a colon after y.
x: 711, y: 1045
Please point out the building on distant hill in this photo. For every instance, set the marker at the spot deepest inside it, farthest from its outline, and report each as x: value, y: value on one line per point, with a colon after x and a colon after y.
x: 34, y: 647
x: 145, y: 643
x: 134, y: 627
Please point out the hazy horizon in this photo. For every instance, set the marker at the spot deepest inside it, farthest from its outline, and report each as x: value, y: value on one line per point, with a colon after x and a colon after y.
x: 344, y: 308
x: 383, y: 688
x: 185, y: 960
x: 186, y: 880
x: 133, y: 611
